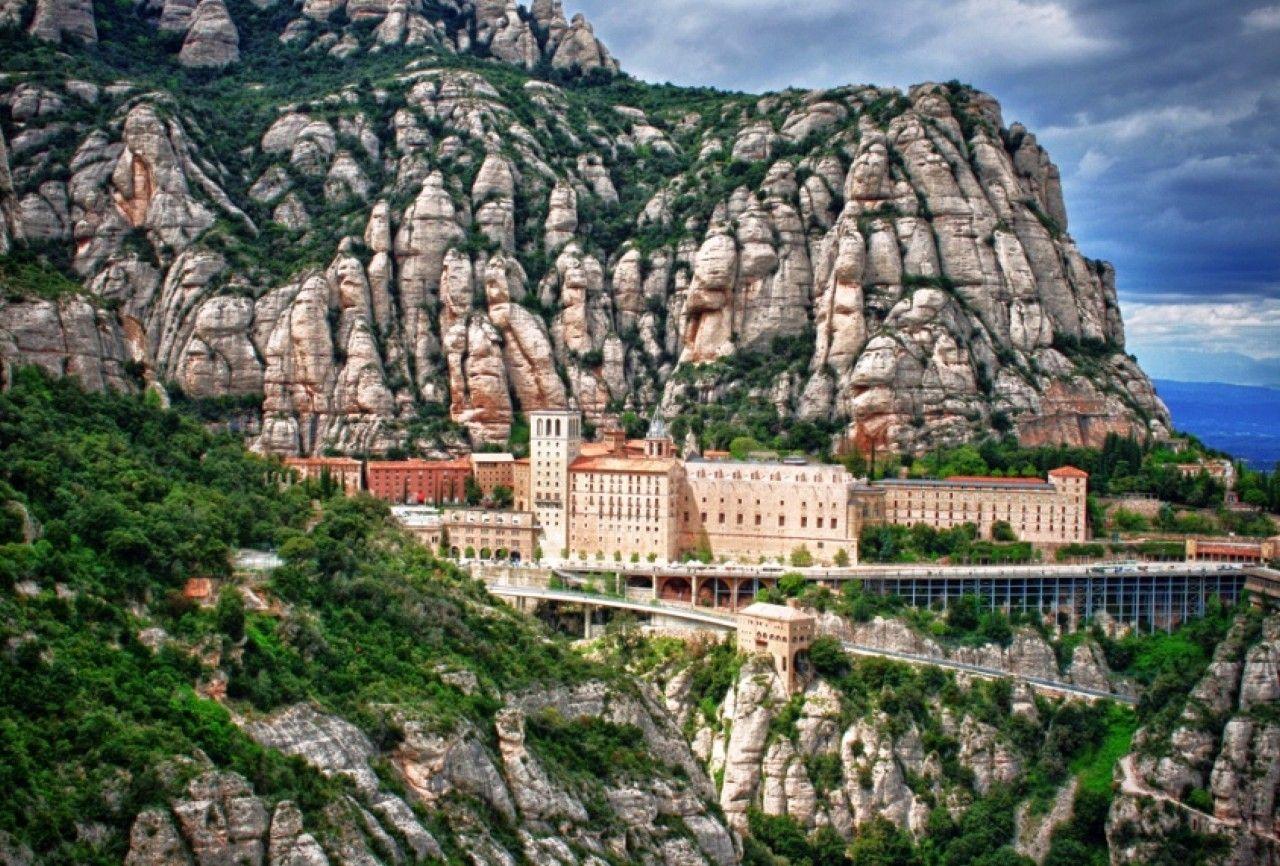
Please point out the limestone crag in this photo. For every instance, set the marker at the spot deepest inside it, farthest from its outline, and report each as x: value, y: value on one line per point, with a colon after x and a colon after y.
x: 212, y: 39
x: 1027, y: 654
x: 1216, y: 772
x: 366, y: 265
x: 879, y: 768
x: 442, y: 771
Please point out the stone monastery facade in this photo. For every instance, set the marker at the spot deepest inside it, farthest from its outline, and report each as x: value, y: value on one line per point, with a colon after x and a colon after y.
x: 639, y: 499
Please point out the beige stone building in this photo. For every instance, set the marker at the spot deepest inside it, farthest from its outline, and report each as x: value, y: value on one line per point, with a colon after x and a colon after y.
x: 1047, y: 511
x: 492, y: 471
x: 520, y: 485
x: 621, y: 505
x: 745, y: 510
x: 509, y: 536
x: 347, y: 472
x: 779, y: 632
x: 619, y: 498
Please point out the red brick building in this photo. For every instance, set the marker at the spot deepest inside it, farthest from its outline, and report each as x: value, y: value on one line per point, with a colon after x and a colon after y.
x: 418, y: 481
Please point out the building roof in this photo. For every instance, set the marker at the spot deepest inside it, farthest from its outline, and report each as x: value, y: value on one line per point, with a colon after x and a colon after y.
x: 461, y: 463
x: 961, y: 481
x: 779, y: 612
x: 991, y: 479
x: 639, y: 465
x: 321, y: 461
x: 1068, y: 472
x: 489, y: 457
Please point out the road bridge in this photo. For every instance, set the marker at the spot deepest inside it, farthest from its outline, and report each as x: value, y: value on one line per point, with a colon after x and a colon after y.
x: 700, y: 616
x: 1263, y: 583
x: 729, y: 623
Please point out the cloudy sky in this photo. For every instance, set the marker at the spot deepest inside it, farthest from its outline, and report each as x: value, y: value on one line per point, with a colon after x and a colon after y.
x: 1164, y: 116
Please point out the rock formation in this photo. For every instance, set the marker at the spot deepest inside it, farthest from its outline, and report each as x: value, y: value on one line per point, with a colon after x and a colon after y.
x: 1214, y: 771
x: 212, y: 39
x: 898, y: 265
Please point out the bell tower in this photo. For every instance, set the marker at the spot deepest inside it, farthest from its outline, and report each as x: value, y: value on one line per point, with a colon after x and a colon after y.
x: 555, y: 440
x: 657, y: 443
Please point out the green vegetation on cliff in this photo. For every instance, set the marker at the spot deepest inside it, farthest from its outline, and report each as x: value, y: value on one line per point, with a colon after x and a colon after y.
x: 129, y: 501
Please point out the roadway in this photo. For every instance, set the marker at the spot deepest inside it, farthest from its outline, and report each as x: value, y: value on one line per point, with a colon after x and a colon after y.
x: 729, y: 622
x: 987, y: 673
x: 882, y: 572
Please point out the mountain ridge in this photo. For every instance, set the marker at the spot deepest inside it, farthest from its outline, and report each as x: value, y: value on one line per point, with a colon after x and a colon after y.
x: 399, y: 246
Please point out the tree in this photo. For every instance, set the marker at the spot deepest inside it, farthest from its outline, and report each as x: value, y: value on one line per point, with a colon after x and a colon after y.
x: 995, y: 628
x: 503, y: 497
x: 742, y: 446
x: 827, y: 656
x: 792, y: 584
x: 881, y: 843
x: 962, y: 614
x: 801, y: 557
x: 470, y: 552
x: 229, y: 614
x: 1002, y: 531
x: 841, y: 559
x: 472, y: 490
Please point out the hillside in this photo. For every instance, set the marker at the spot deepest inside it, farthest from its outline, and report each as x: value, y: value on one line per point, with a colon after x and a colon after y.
x: 383, y: 226
x: 365, y: 705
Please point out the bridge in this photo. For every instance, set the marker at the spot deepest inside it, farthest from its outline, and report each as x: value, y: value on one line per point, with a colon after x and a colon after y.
x: 1152, y: 595
x: 717, y: 620
x: 729, y: 623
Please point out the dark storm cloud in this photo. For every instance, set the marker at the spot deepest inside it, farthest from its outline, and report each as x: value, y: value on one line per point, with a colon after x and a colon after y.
x: 1163, y: 116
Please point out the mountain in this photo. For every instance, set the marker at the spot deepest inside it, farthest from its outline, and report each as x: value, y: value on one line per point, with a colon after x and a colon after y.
x: 1243, y: 421
x: 377, y: 226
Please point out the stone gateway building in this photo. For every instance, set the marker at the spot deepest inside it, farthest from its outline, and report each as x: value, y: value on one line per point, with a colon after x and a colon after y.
x: 779, y: 632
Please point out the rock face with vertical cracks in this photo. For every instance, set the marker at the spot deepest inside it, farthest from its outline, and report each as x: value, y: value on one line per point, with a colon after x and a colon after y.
x: 360, y: 264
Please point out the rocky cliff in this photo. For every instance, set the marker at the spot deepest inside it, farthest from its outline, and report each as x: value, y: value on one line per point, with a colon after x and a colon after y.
x: 880, y: 744
x: 878, y: 740
x: 385, y: 224
x: 1210, y: 774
